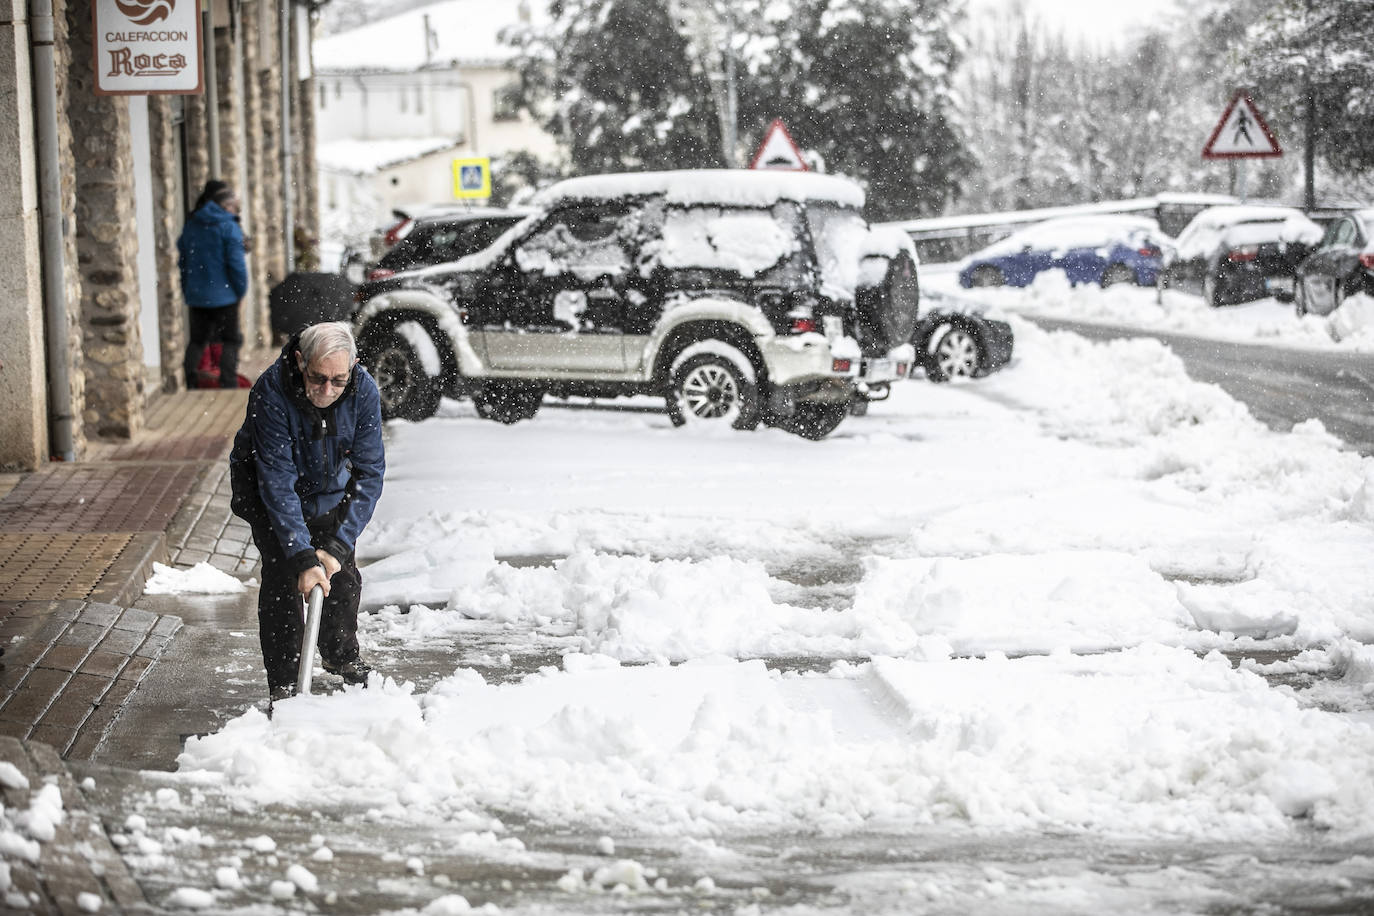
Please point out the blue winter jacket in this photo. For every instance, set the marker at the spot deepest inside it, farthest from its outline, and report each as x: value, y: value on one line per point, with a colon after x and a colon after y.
x: 297, y: 467
x: 210, y: 255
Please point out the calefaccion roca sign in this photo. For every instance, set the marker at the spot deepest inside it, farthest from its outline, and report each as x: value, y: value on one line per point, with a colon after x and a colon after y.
x: 147, y: 47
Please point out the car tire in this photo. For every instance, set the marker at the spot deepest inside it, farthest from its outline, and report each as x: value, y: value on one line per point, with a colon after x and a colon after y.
x: 953, y: 352
x: 814, y: 421
x: 507, y: 402
x: 407, y: 391
x: 1116, y: 274
x: 711, y: 386
x: 987, y: 275
x: 1338, y: 294
x: 1211, y: 290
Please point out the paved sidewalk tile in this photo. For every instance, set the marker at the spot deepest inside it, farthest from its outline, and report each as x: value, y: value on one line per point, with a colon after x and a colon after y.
x: 58, y: 674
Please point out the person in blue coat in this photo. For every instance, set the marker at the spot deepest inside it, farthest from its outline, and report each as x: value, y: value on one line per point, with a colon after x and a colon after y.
x: 214, y: 280
x: 306, y: 472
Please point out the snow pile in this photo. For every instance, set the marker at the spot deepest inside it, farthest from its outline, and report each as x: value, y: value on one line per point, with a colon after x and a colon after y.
x: 201, y: 579
x: 22, y: 830
x: 956, y: 546
x: 1150, y: 740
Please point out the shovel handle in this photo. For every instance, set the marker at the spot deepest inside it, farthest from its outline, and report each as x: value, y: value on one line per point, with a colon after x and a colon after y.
x: 314, y: 608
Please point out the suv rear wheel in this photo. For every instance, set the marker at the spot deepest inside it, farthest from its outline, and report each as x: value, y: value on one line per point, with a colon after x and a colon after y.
x: 709, y: 385
x: 407, y: 392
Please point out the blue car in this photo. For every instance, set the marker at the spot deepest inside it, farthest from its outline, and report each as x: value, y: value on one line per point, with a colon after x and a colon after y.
x: 1097, y: 250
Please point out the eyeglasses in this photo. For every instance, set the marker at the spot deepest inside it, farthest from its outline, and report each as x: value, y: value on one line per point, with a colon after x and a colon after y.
x: 319, y: 381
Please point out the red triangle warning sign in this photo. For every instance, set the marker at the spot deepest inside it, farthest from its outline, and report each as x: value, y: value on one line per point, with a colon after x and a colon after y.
x: 1241, y: 133
x: 777, y: 151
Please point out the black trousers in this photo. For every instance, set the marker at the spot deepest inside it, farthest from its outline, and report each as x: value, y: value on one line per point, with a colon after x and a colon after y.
x: 281, y: 615
x: 213, y: 325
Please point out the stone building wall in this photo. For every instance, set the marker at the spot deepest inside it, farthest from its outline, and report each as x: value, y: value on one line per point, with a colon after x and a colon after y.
x: 107, y: 252
x: 23, y: 417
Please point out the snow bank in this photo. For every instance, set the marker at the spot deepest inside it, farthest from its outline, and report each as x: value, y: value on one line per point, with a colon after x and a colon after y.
x: 1151, y: 740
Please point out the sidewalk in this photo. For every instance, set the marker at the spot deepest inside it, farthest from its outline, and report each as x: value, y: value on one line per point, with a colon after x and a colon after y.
x: 77, y: 543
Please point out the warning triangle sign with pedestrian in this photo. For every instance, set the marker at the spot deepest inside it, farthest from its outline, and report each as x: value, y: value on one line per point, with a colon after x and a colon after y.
x: 777, y: 151
x: 1241, y: 133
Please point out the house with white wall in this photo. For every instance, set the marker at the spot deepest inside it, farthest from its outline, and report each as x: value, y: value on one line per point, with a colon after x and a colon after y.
x: 398, y: 99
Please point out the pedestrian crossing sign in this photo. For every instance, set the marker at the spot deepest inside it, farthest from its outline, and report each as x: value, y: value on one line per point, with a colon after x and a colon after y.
x: 777, y: 151
x: 472, y: 177
x: 1241, y: 133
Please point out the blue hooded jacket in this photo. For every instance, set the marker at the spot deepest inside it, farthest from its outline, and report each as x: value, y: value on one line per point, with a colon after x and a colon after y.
x: 210, y: 255
x: 293, y: 463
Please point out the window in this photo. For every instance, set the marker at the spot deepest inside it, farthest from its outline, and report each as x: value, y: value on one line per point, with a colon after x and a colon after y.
x: 584, y: 242
x: 505, y: 104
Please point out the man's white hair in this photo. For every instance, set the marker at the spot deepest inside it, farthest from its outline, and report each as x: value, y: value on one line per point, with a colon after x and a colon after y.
x: 322, y: 339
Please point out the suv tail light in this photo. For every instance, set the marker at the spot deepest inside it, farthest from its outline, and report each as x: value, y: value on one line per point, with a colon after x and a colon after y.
x: 801, y: 317
x: 1243, y: 253
x: 1367, y: 260
x: 1148, y: 251
x: 380, y: 273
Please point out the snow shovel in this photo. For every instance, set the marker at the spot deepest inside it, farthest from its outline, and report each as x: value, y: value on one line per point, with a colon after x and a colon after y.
x: 312, y: 633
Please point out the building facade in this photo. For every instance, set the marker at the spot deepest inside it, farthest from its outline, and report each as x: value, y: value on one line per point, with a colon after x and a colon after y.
x: 400, y: 98
x: 93, y: 322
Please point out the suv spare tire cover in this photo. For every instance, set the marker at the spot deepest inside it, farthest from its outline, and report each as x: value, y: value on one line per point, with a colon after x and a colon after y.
x: 305, y: 298
x: 892, y: 308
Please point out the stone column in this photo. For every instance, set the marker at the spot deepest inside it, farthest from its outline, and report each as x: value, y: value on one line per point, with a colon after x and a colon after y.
x: 273, y: 253
x: 23, y: 388
x: 107, y: 251
x: 169, y: 206
x: 256, y: 17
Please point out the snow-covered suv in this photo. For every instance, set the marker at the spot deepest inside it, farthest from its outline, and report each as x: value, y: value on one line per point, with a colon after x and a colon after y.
x: 731, y: 294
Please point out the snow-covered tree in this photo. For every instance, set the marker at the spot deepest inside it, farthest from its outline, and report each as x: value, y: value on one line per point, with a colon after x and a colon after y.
x: 613, y: 80
x: 867, y: 85
x: 1320, y: 54
x: 864, y: 85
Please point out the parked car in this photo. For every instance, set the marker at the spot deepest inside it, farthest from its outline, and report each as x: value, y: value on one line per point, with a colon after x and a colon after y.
x: 731, y: 294
x: 430, y: 234
x: 1101, y: 250
x: 1341, y: 265
x: 954, y: 344
x: 1234, y: 254
x: 443, y: 239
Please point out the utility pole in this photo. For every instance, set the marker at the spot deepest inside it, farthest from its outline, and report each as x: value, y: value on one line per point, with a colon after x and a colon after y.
x: 1309, y: 152
x: 730, y: 135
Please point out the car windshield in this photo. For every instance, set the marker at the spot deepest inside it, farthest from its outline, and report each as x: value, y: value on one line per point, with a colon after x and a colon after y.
x: 840, y: 236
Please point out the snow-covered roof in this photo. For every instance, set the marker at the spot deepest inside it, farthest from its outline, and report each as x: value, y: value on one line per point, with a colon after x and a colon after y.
x: 459, y: 31
x: 725, y: 187
x: 364, y: 157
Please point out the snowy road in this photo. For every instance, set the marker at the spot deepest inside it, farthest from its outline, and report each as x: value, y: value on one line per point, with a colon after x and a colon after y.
x: 959, y: 656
